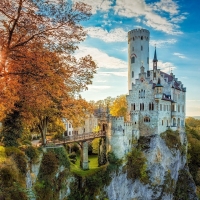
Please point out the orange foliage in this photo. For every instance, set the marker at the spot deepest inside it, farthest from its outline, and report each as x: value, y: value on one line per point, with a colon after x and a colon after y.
x: 36, y: 68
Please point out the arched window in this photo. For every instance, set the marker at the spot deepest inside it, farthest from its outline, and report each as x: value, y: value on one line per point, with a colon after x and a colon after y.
x: 174, y: 121
x: 133, y: 59
x: 146, y: 119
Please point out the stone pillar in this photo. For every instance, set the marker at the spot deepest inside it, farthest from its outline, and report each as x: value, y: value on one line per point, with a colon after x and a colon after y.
x: 102, y: 159
x: 84, y: 156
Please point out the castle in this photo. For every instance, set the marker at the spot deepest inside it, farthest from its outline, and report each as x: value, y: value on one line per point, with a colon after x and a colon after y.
x: 156, y: 100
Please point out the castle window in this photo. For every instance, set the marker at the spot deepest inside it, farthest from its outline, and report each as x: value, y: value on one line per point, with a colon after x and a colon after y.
x: 162, y: 122
x: 133, y: 38
x: 141, y: 106
x: 139, y: 94
x: 174, y: 121
x: 178, y: 108
x: 146, y: 119
x: 183, y: 109
x: 133, y: 59
x: 154, y: 74
x: 147, y: 60
x: 135, y: 123
x: 149, y: 106
x: 141, y: 37
x: 134, y: 106
x: 141, y: 48
x: 132, y: 74
x: 160, y: 107
x: 152, y: 106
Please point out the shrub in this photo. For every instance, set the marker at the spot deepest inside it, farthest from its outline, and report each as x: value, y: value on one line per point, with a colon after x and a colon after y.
x: 10, y: 186
x: 49, y: 164
x: 61, y: 155
x: 19, y: 158
x: 136, y: 165
x: 32, y: 153
x: 171, y: 138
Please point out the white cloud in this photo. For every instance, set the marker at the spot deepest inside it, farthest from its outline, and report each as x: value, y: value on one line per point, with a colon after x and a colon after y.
x: 180, y: 55
x: 102, y: 59
x: 115, y: 35
x: 138, y: 8
x: 178, y: 19
x: 168, y: 6
x: 102, y: 5
x: 99, y: 87
x: 161, y: 43
x: 124, y: 74
x: 166, y: 66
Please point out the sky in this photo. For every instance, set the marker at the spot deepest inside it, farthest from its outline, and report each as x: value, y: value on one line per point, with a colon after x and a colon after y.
x: 174, y: 27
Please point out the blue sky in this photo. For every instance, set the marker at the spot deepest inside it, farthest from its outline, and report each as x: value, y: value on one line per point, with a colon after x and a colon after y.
x: 174, y: 27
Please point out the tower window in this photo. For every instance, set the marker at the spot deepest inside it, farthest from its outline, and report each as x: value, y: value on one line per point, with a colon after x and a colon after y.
x: 147, y: 60
x: 133, y: 59
x: 141, y: 37
x: 132, y: 74
x: 141, y: 48
x: 133, y: 38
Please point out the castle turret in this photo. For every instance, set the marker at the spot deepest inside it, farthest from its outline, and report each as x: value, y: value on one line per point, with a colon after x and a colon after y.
x: 138, y: 52
x: 155, y: 60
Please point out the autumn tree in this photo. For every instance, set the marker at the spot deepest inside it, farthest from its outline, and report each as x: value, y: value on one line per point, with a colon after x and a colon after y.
x: 37, y: 68
x: 119, y: 107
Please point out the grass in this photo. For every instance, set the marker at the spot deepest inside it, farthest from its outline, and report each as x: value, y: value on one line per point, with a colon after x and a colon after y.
x: 93, y: 166
x: 2, y: 154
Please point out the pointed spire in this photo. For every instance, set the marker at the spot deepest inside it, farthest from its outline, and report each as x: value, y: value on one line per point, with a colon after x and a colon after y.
x: 155, y: 56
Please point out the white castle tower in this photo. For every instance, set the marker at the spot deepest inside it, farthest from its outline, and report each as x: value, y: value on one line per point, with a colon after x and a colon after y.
x: 138, y: 53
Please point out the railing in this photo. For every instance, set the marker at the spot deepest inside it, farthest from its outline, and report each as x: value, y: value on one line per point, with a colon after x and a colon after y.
x: 83, y: 137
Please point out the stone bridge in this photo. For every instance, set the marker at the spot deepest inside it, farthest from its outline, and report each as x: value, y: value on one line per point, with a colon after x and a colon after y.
x: 82, y: 139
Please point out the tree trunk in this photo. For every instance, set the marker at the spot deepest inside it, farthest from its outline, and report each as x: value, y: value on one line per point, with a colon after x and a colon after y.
x: 43, y: 129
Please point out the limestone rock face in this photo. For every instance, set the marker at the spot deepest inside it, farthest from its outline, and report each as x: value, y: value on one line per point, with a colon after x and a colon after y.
x: 166, y: 168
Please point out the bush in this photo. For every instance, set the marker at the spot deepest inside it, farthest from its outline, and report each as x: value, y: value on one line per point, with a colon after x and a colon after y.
x: 32, y: 153
x: 49, y: 164
x: 19, y: 158
x: 136, y: 165
x: 61, y: 155
x: 10, y: 186
x: 171, y: 138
